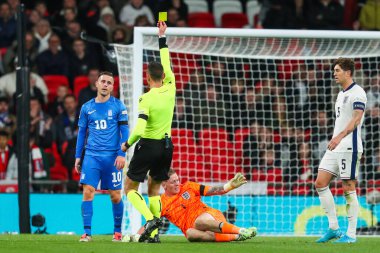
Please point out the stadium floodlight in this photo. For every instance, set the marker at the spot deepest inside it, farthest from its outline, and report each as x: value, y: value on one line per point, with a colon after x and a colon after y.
x: 259, y: 102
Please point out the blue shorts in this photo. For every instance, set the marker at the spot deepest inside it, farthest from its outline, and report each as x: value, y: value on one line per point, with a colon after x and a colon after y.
x: 101, y: 168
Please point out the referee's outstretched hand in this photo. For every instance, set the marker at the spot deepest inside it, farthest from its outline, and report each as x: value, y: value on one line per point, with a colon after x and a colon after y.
x: 161, y: 28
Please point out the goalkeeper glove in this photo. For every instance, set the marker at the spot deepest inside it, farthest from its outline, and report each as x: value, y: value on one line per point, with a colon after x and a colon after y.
x: 234, y: 183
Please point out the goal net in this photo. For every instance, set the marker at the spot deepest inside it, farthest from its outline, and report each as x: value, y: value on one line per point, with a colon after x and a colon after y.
x: 261, y: 102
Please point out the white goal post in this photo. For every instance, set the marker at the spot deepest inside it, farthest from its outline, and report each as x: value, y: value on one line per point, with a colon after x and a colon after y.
x: 287, y: 76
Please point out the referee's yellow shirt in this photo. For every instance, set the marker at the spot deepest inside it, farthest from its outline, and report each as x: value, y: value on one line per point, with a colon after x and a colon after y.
x: 156, y: 107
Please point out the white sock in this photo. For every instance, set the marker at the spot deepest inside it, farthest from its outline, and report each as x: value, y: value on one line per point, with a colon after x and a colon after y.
x: 352, y: 208
x: 327, y: 203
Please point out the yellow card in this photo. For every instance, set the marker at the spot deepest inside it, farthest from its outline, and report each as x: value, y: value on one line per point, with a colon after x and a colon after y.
x: 162, y: 16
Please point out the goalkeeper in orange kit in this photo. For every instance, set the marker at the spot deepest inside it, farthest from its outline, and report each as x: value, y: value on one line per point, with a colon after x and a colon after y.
x: 182, y: 205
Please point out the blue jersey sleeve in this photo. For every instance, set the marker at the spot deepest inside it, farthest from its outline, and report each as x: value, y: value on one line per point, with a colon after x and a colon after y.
x: 83, y: 117
x: 82, y: 125
x: 80, y: 141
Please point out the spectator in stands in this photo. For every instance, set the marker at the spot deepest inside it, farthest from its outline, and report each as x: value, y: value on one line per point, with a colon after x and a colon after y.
x: 325, y: 15
x: 40, y: 124
x: 212, y: 110
x: 66, y: 125
x: 72, y: 32
x: 37, y: 85
x: 7, y: 120
x: 142, y: 20
x: 259, y: 140
x: 234, y: 101
x: 278, y: 16
x: 296, y: 91
x: 31, y: 48
x: 181, y: 7
x: 181, y: 117
x: 268, y: 165
x: 194, y: 93
x: 7, y: 26
x: 42, y: 33
x: 369, y: 15
x: 181, y: 23
x: 268, y: 92
x: 251, y: 147
x: 132, y: 10
x: 373, y: 94
x: 69, y: 15
x: 121, y: 35
x: 107, y: 21
x: 91, y: 11
x: 217, y: 75
x: 90, y: 91
x: 374, y: 162
x: 372, y: 133
x: 302, y: 95
x: 324, y: 74
x: 13, y: 4
x: 251, y: 108
x: 59, y: 17
x: 53, y: 61
x: 6, y: 152
x: 320, y: 133
x: 41, y: 8
x: 56, y: 108
x: 173, y: 17
x: 38, y: 163
x: 288, y: 152
x: 307, y: 166
x: 81, y: 60
x: 33, y: 18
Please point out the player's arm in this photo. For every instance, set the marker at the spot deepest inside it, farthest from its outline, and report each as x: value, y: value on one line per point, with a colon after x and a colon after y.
x: 234, y: 183
x: 124, y: 128
x: 164, y: 54
x: 142, y: 120
x: 82, y: 130
x: 351, y: 126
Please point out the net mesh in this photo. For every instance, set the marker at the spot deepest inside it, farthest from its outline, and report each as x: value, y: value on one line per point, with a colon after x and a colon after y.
x: 265, y: 107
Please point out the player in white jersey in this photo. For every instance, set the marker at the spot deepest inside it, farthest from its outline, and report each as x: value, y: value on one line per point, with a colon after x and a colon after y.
x: 343, y: 153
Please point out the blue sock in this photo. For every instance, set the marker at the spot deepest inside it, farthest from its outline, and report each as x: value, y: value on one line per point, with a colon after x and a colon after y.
x: 118, y: 210
x: 87, y: 216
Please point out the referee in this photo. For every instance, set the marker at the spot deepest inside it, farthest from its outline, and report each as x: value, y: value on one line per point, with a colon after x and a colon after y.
x: 154, y: 149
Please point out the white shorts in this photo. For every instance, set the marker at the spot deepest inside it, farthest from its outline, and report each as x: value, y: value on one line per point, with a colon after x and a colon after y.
x: 341, y: 164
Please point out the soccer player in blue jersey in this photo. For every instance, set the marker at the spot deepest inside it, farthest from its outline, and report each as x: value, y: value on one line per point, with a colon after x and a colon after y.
x: 105, y: 121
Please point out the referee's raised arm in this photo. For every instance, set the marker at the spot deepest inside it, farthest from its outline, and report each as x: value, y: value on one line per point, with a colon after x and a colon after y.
x: 164, y: 54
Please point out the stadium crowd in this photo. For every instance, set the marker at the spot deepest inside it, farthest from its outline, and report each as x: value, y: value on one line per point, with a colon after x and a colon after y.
x: 279, y: 118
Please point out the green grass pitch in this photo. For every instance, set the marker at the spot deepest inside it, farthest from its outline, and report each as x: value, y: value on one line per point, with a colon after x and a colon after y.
x: 178, y: 244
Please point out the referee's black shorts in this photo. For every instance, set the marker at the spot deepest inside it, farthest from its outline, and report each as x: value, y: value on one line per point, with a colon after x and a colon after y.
x: 151, y: 155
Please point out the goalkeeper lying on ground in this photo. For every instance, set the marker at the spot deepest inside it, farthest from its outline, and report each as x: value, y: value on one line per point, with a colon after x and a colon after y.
x: 182, y: 205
